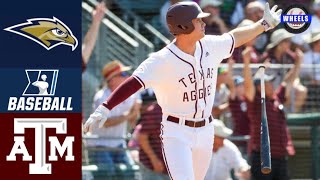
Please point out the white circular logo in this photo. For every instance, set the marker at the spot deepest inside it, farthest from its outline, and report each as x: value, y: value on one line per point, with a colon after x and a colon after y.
x: 296, y: 19
x: 296, y: 11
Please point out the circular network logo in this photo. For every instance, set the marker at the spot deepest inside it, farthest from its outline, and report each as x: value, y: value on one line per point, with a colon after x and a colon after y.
x: 296, y: 19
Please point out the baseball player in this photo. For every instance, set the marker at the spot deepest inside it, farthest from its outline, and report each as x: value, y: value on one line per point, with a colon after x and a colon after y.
x: 42, y: 85
x: 183, y: 77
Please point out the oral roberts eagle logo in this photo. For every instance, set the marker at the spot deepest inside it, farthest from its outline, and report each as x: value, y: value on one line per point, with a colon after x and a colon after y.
x: 47, y: 32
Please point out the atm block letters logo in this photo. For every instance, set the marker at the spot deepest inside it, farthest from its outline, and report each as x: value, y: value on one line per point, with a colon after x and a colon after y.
x: 38, y: 163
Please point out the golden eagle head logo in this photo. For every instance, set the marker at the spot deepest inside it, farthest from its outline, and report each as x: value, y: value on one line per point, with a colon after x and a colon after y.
x: 47, y: 32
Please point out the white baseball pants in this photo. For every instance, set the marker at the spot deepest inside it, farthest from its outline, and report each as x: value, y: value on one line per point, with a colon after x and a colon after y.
x: 186, y: 150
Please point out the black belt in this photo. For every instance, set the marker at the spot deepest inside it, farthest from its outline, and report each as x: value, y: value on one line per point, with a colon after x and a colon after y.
x: 189, y: 122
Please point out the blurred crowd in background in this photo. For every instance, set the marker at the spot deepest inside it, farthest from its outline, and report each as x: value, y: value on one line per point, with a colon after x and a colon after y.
x: 292, y: 86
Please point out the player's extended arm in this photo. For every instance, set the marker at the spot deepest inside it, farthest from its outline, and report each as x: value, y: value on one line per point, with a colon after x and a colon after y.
x: 35, y: 83
x: 271, y: 18
x: 121, y: 93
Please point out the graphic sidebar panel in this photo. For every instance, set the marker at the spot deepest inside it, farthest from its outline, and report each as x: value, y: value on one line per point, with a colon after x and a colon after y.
x: 40, y: 102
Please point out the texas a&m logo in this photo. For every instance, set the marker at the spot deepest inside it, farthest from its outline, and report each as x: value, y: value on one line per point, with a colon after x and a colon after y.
x: 40, y: 125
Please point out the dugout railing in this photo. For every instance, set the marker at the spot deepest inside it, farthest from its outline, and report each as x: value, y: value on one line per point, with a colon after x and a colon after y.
x: 136, y: 22
x: 144, y: 17
x: 119, y: 39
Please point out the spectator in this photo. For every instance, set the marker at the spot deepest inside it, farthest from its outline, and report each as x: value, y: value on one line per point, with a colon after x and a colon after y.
x: 279, y: 52
x: 280, y: 43
x: 255, y: 56
x: 230, y: 8
x: 312, y: 57
x: 220, y: 104
x: 254, y: 12
x: 115, y: 128
x: 214, y: 23
x: 238, y: 13
x: 239, y: 112
x: 133, y: 143
x: 283, y: 4
x: 90, y: 38
x: 226, y: 156
x: 148, y: 97
x: 280, y: 140
x: 315, y: 24
x: 238, y: 107
x: 150, y: 152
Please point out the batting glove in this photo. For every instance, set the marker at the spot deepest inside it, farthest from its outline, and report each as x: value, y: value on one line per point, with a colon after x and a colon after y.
x: 100, y: 115
x: 271, y: 18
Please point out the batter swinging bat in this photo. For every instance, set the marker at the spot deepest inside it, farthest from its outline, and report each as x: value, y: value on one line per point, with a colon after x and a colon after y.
x: 265, y: 140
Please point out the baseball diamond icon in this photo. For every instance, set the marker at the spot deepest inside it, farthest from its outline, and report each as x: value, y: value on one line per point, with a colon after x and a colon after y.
x: 41, y: 82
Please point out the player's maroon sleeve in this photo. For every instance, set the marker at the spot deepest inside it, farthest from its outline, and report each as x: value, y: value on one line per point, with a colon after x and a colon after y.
x: 121, y: 93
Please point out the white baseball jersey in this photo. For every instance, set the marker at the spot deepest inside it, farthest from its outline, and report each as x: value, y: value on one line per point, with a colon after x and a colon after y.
x: 184, y: 84
x: 228, y: 157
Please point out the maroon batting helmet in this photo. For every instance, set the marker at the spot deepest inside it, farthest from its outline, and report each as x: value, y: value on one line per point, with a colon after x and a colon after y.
x: 180, y: 15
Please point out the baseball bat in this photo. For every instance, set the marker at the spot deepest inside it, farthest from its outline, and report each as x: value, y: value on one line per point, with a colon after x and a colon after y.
x: 264, y: 139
